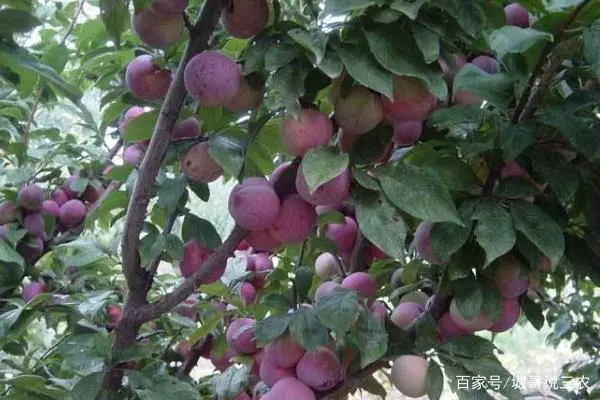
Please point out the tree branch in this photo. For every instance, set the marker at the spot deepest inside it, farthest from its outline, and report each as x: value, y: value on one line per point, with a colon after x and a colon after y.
x: 198, y: 349
x: 357, y: 259
x: 353, y: 382
x: 216, y: 260
x: 113, y: 151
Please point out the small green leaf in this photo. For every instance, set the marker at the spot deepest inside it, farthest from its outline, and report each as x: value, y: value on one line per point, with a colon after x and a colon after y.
x: 321, y: 165
x: 468, y: 297
x: 471, y: 346
x: 575, y: 129
x: 338, y: 310
x: 514, y: 187
x: 494, y: 231
x: 115, y: 15
x: 307, y: 329
x: 10, y: 255
x: 231, y: 382
x: 271, y: 328
x: 365, y: 69
x: 120, y: 173
x: 196, y: 228
x: 303, y: 281
x: 228, y: 152
x: 591, y: 46
x: 288, y: 82
x: 467, y: 13
x: 561, y: 175
x: 313, y: 41
x: 496, y: 89
x: 533, y: 312
x: 513, y: 39
x: 380, y: 222
x: 88, y: 387
x: 514, y: 139
x: 435, y: 381
x: 141, y: 127
x: 428, y: 42
x: 372, y: 385
x: 540, y: 229
x: 7, y: 320
x: 370, y: 337
x: 16, y: 21
x: 408, y: 7
x: 343, y: 6
x: 447, y: 238
x: 200, y: 189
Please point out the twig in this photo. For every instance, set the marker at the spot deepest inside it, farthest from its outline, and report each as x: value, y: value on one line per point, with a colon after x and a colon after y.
x: 352, y: 383
x: 113, y: 151
x: 357, y: 260
x: 198, y: 349
x: 153, y: 264
x: 113, y: 186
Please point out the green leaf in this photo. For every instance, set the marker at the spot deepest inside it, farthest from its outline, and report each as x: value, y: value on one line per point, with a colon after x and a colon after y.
x: 228, y: 152
x: 514, y: 187
x: 7, y: 320
x: 365, y: 69
x: 514, y: 139
x: 561, y: 175
x: 170, y: 192
x: 513, y: 39
x: 231, y: 382
x: 331, y: 64
x: 471, y: 346
x: 494, y: 231
x: 141, y: 127
x: 322, y: 164
x: 115, y: 15
x: 271, y: 328
x: 408, y: 7
x: 303, y: 281
x: 342, y: 6
x: 338, y: 310
x: 10, y: 255
x: 468, y: 297
x: 200, y: 189
x: 380, y: 222
x: 591, y: 46
x: 307, y: 329
x: 120, y: 173
x: 533, y: 312
x: 404, y: 57
x: 452, y: 171
x: 16, y: 21
x: 313, y: 41
x: 460, y: 114
x: 372, y: 385
x: 540, y: 229
x: 492, y: 306
x: 447, y: 238
x: 288, y: 82
x: 88, y: 386
x: 496, y: 89
x: 420, y: 193
x: 467, y: 13
x: 428, y: 42
x: 576, y: 130
x: 196, y: 228
x: 435, y: 381
x: 281, y: 54
x: 370, y: 337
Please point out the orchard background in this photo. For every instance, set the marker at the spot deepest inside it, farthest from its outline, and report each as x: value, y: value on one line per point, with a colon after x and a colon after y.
x: 298, y: 199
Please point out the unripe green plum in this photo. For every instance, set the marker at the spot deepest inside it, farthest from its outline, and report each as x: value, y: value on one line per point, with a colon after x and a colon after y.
x: 7, y: 212
x: 194, y: 256
x: 416, y: 297
x: 34, y: 224
x: 31, y: 248
x: 361, y: 282
x: 311, y: 130
x: 511, y: 310
x: 188, y: 128
x: 31, y: 197
x: 198, y: 165
x: 241, y: 336
x: 379, y: 311
x: 516, y: 15
x: 245, y: 18
x: 448, y: 329
x: 332, y: 192
x: 359, y: 112
x: 320, y: 370
x: 325, y: 288
x: 253, y: 204
x: 133, y: 155
x: 327, y: 266
x: 247, y: 98
x: 343, y: 235
x: 295, y: 221
x: 407, y: 133
x: 157, y: 30
x: 412, y: 101
x: 405, y: 313
x: 262, y: 240
x: 409, y: 375
x: 479, y: 323
x: 422, y: 242
x: 32, y: 289
x: 222, y: 362
x: 72, y: 213
x: 271, y: 373
x: 511, y: 279
x: 212, y: 78
x: 284, y: 352
x: 169, y: 7
x: 247, y: 293
x: 289, y: 388
x: 146, y: 80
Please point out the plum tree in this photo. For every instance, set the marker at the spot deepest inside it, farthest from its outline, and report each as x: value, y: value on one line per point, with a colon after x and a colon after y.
x: 31, y: 197
x: 245, y: 18
x: 361, y: 282
x: 295, y: 221
x: 310, y: 130
x: 241, y: 336
x: 327, y: 266
x: 253, y: 204
x: 516, y: 15
x: 343, y: 235
x: 72, y: 213
x: 405, y: 314
x: 409, y: 375
x: 146, y: 80
x: 212, y: 78
x: 157, y: 30
x: 320, y: 369
x: 359, y: 112
x: 198, y: 165
x: 284, y: 352
x: 332, y: 192
x: 290, y: 388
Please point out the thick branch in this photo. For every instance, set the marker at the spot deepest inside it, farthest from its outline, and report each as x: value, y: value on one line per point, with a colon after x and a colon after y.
x: 216, y: 260
x: 198, y: 349
x: 136, y: 212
